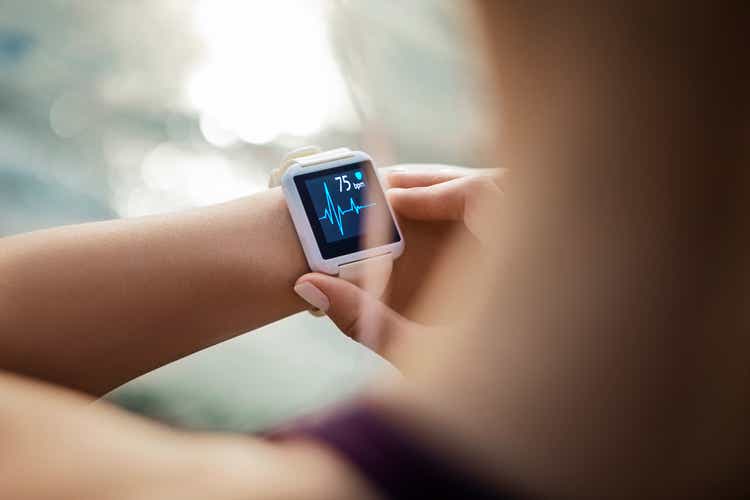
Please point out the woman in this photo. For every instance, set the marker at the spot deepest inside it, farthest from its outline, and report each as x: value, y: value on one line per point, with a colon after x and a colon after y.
x: 591, y: 329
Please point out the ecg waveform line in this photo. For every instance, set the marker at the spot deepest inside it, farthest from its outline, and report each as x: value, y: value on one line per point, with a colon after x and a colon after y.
x: 334, y: 213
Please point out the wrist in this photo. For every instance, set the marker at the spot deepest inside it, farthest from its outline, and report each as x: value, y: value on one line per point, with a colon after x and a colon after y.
x: 272, y: 257
x: 252, y: 256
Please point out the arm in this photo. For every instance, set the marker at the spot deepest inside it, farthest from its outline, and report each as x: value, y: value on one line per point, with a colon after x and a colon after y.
x: 92, y: 306
x: 119, y: 298
x: 55, y: 445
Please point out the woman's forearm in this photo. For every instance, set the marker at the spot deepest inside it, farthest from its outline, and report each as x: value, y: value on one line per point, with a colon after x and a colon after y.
x: 91, y: 306
x: 56, y: 445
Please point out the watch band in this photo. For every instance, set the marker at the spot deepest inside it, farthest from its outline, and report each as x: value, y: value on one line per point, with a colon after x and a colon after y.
x: 371, y: 274
x: 307, y: 155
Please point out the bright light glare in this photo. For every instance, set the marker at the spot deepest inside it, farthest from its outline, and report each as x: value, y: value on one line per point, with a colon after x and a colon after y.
x: 267, y: 71
x: 215, y: 133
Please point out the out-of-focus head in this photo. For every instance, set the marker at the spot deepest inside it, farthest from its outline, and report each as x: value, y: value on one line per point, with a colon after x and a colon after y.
x: 618, y: 275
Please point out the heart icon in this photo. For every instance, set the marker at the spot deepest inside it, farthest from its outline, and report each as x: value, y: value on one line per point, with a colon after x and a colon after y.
x: 358, y: 175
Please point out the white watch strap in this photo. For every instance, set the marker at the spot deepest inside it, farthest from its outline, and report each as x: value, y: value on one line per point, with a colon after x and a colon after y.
x: 371, y: 274
x: 306, y: 156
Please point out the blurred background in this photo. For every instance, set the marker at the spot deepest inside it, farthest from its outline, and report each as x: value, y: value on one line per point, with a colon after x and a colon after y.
x: 123, y: 109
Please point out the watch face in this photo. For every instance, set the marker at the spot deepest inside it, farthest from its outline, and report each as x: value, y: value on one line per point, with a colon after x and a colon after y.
x: 347, y: 209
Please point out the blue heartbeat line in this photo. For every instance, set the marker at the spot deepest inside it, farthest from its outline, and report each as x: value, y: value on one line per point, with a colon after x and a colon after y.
x: 333, y: 213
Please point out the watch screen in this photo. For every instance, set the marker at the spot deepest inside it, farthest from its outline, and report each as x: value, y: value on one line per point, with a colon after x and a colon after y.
x: 346, y: 208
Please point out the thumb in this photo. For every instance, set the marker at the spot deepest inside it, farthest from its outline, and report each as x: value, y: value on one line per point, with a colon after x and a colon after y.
x: 356, y: 312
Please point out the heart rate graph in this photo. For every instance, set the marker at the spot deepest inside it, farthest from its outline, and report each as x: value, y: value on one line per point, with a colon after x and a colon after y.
x: 334, y: 214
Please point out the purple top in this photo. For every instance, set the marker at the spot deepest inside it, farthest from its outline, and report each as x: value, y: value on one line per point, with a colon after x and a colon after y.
x: 396, y: 465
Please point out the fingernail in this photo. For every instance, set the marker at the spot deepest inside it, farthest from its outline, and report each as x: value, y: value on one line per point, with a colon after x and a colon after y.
x: 312, y: 295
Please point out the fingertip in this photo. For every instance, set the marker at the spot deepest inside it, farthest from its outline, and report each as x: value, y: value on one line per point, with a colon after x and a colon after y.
x: 421, y: 178
x: 412, y: 179
x: 396, y: 198
x: 394, y: 177
x: 402, y: 179
x: 331, y: 286
x: 308, y: 277
x: 312, y: 294
x: 404, y: 199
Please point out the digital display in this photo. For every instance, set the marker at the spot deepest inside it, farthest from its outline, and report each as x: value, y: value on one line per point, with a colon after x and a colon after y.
x: 343, y: 203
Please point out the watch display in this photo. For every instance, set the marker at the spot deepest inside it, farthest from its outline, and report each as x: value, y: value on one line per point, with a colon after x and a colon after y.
x: 342, y: 205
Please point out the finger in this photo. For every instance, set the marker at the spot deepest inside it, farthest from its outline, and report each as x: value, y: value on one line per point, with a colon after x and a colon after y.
x: 409, y: 179
x: 444, y: 201
x: 357, y: 313
x: 419, y: 179
x: 473, y: 200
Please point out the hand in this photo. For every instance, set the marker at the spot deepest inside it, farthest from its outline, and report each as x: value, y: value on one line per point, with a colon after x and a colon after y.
x: 445, y: 195
x: 425, y: 196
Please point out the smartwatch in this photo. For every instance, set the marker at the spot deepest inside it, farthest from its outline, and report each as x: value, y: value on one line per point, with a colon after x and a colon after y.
x: 343, y: 219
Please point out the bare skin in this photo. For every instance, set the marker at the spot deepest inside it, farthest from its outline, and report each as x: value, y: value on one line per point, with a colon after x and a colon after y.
x: 102, y: 303
x: 56, y: 445
x: 602, y: 350
x: 86, y: 451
